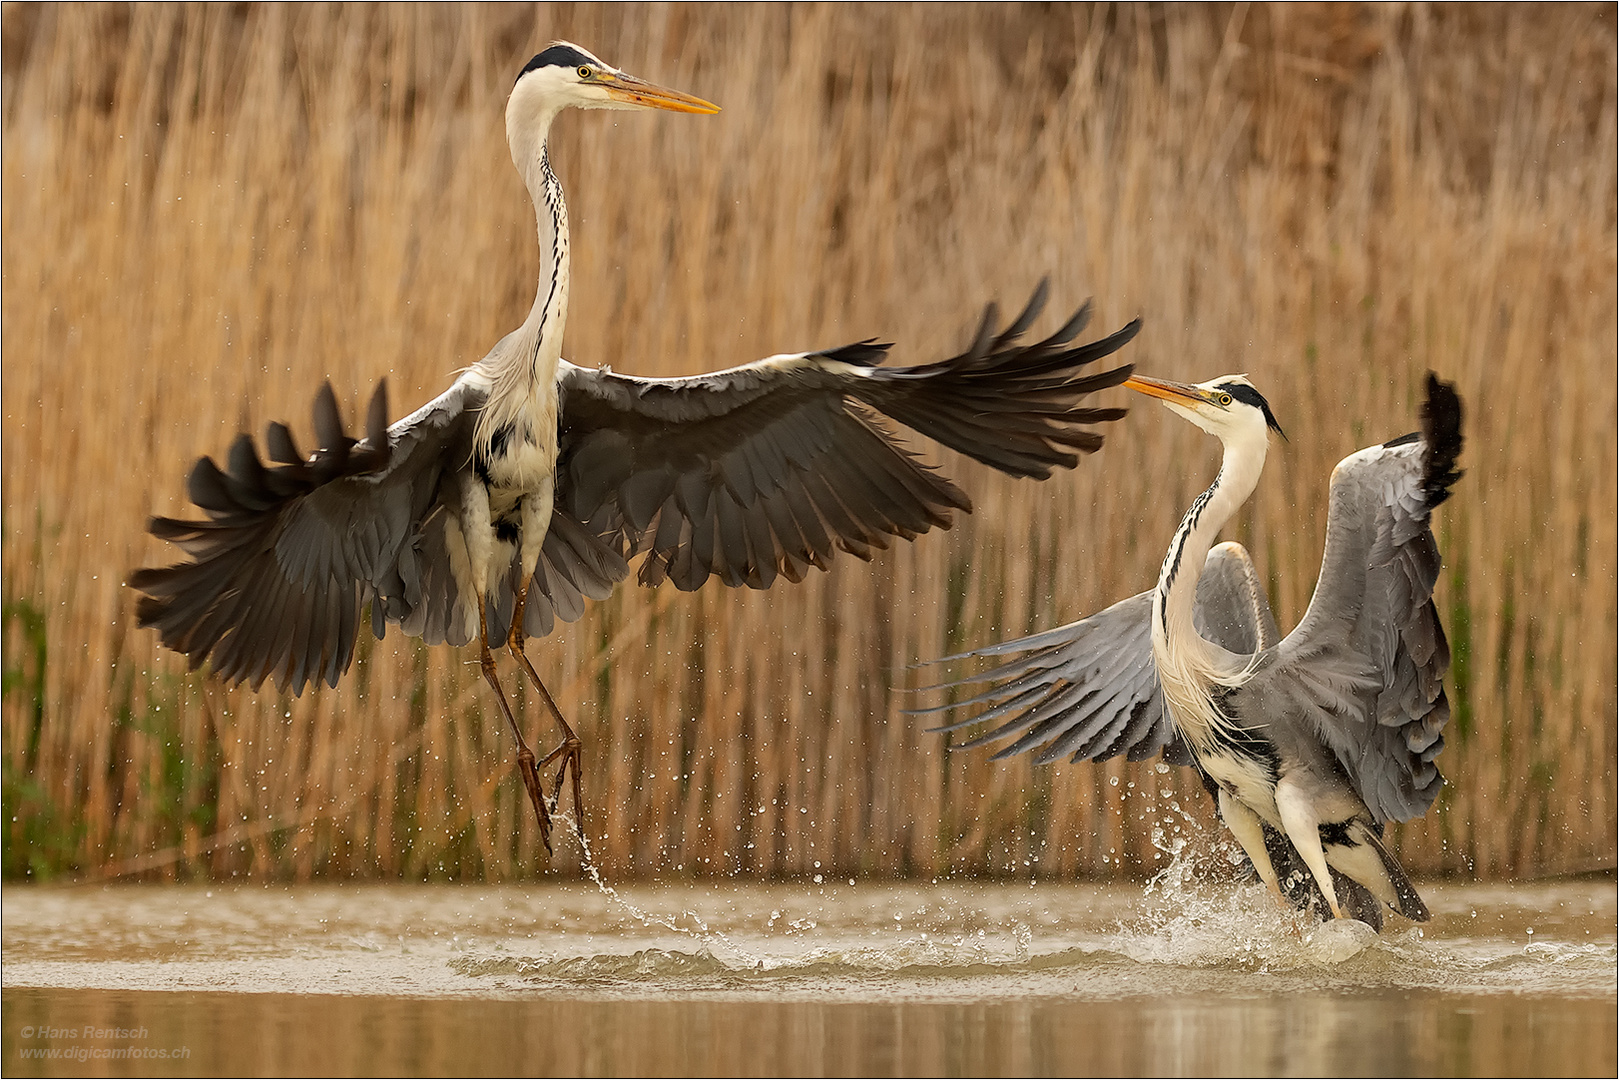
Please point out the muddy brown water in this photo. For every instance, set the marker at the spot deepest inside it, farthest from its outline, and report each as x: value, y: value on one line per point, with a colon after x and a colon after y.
x: 799, y: 978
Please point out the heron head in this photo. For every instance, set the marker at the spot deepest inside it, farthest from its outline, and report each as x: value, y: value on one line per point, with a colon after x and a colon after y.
x: 565, y: 75
x: 1227, y: 406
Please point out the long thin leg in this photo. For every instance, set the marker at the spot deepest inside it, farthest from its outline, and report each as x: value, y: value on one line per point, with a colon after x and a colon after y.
x: 1244, y: 825
x: 1303, y: 828
x: 569, y: 751
x: 525, y: 757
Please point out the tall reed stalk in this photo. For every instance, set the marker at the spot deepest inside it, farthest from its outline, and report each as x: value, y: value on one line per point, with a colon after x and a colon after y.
x: 209, y: 210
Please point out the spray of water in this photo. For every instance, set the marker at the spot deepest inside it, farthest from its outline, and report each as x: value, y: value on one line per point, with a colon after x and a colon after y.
x: 699, y: 929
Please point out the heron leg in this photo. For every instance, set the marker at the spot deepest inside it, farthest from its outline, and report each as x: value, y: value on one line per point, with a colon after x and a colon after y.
x: 1303, y: 828
x: 1245, y: 826
x: 525, y: 757
x: 569, y: 750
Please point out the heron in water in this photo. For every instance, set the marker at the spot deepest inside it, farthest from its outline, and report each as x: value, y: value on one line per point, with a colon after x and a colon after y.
x: 530, y: 484
x: 1321, y: 737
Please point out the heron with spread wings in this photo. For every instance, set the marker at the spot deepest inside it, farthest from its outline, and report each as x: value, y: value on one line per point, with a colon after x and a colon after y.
x: 528, y: 486
x: 1312, y: 742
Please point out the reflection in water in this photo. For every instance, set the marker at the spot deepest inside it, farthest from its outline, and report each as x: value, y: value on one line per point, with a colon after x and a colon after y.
x: 797, y: 978
x: 1312, y: 1034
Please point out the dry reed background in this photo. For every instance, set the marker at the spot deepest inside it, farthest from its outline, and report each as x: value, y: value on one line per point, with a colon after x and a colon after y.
x: 208, y: 210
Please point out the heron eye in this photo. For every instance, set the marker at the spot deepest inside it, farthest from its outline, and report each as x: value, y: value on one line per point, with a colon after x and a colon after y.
x: 1225, y: 399
x: 584, y: 73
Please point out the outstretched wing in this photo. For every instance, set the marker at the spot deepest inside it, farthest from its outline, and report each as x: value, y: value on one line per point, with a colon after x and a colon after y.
x: 1090, y: 690
x: 769, y: 468
x: 291, y: 551
x: 1366, y: 664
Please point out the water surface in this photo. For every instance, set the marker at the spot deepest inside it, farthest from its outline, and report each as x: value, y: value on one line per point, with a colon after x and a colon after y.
x: 804, y: 978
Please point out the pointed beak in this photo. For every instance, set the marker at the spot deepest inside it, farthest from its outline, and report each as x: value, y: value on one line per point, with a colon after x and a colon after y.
x: 632, y: 91
x: 1173, y: 392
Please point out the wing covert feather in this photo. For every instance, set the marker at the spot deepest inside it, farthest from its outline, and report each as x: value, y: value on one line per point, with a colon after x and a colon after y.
x: 766, y: 469
x: 1367, y: 661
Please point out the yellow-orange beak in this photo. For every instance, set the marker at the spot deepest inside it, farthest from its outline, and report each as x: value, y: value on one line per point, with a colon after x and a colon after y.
x: 633, y: 91
x: 1179, y: 393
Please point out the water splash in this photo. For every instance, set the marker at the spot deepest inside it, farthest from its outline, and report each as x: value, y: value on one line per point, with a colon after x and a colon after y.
x: 699, y: 930
x: 1194, y: 918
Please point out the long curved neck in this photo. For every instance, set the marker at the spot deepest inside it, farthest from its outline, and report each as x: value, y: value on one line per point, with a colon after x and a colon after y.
x: 522, y: 368
x: 1190, y: 668
x: 549, y: 314
x: 550, y: 311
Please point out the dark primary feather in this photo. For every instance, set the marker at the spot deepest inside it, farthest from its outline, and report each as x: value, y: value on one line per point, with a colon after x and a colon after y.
x: 1442, y: 434
x: 768, y: 469
x: 258, y: 598
x: 289, y: 553
x: 1089, y: 690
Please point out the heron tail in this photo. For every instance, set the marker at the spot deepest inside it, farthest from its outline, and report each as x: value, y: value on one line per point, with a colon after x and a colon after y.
x: 1408, y: 903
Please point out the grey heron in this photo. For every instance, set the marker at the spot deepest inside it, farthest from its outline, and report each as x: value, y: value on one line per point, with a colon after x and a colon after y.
x: 528, y: 486
x: 1321, y: 737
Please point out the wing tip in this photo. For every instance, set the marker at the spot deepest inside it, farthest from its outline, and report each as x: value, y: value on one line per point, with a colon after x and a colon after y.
x: 1442, y: 435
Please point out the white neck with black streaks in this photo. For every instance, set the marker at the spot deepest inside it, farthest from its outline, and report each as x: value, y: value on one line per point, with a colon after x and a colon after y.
x: 1190, y: 668
x: 521, y: 369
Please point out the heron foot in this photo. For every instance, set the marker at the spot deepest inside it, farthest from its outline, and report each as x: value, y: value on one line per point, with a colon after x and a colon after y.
x: 569, y: 754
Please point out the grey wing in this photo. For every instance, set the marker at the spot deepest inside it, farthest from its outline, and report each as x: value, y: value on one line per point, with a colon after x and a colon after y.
x: 1089, y: 690
x: 1233, y: 612
x: 1367, y: 662
x: 770, y: 468
x: 290, y: 552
